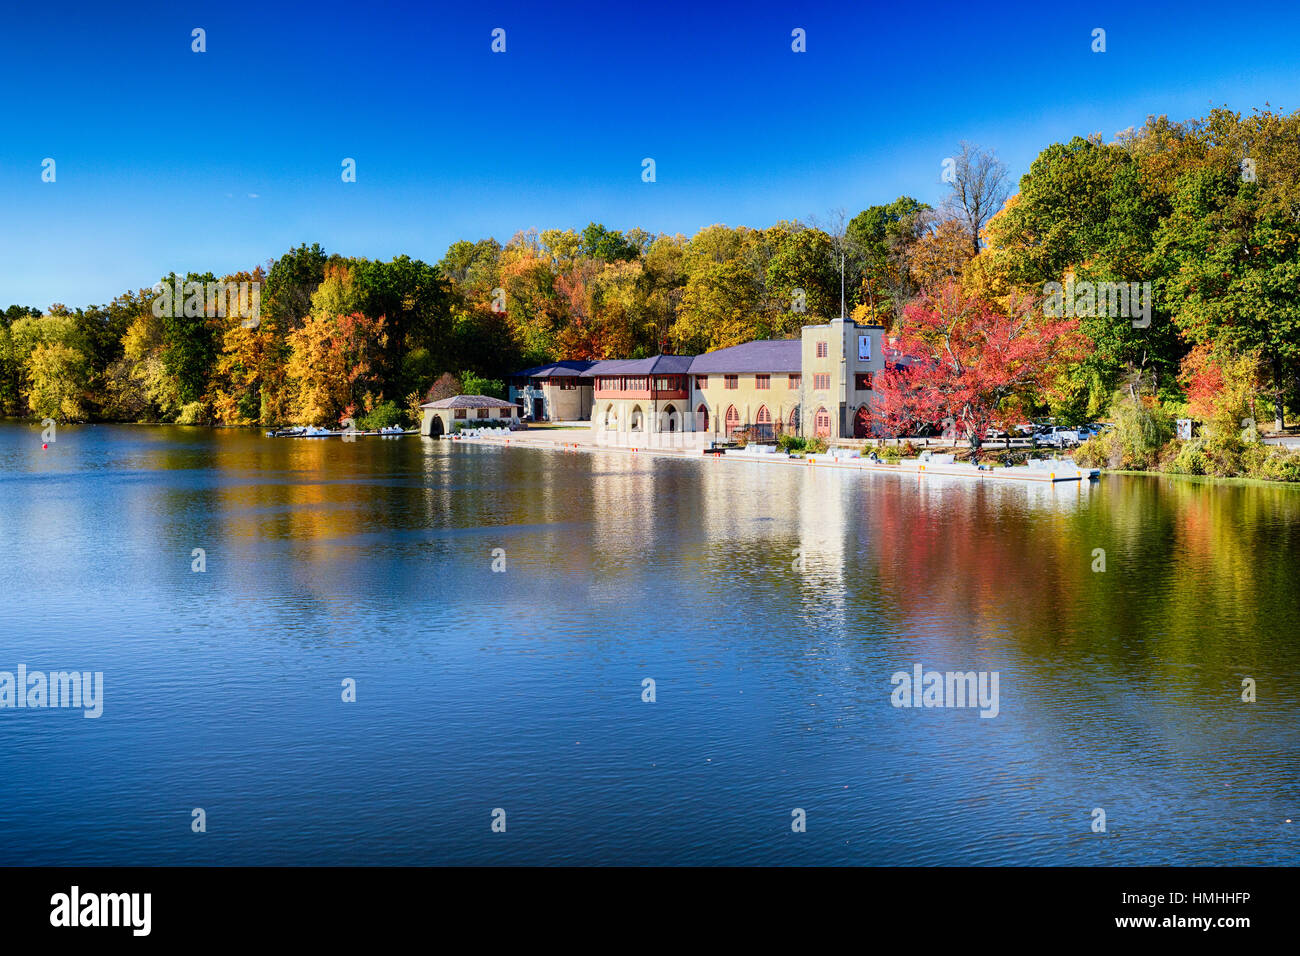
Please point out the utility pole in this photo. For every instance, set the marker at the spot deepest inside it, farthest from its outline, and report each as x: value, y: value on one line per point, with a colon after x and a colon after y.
x: 842, y: 285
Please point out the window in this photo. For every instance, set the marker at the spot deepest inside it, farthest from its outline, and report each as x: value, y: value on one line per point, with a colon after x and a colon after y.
x: 762, y: 381
x: 822, y: 381
x: 568, y: 384
x: 862, y: 381
x: 733, y: 419
x: 702, y: 413
x: 763, y: 423
x: 636, y: 384
x: 795, y: 379
x: 672, y: 383
x: 794, y: 418
x: 821, y: 350
x: 731, y: 381
x: 483, y: 412
x: 701, y: 381
x: 823, y: 423
x: 459, y: 413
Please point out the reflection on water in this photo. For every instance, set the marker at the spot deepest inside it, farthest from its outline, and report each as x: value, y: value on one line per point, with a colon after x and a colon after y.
x: 771, y: 605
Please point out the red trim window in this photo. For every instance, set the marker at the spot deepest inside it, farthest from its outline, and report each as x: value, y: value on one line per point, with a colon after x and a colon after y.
x: 733, y: 419
x: 822, y: 382
x: 763, y: 381
x: 458, y: 413
x: 483, y: 412
x: 862, y: 381
x: 701, y: 381
x: 703, y: 412
x: 795, y: 379
x: 823, y: 423
x: 794, y: 418
x: 821, y: 350
x: 731, y: 381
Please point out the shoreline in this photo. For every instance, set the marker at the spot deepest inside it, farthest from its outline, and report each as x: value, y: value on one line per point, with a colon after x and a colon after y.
x: 907, y: 468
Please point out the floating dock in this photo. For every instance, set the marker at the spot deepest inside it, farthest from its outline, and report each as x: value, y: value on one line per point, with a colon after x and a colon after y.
x: 1037, y: 471
x: 1043, y: 470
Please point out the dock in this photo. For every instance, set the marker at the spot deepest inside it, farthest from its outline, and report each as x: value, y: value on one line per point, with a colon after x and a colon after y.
x: 1037, y: 471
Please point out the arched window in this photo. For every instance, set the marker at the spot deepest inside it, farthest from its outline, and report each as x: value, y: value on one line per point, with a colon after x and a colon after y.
x: 611, y: 418
x: 764, y: 422
x: 794, y: 420
x: 634, y: 421
x: 670, y: 419
x: 822, y: 424
x: 732, y: 419
x: 702, y: 414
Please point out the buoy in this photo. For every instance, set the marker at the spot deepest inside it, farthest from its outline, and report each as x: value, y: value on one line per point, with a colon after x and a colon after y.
x: 44, y: 445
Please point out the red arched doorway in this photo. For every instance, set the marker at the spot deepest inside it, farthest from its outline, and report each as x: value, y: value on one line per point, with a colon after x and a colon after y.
x: 764, y: 422
x: 732, y: 419
x: 822, y: 424
x: 862, y: 423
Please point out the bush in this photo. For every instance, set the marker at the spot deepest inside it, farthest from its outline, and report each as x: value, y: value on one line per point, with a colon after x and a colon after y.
x: 1141, y: 429
x: 1274, y: 464
x: 477, y: 385
x: 381, y: 416
x: 1189, y: 459
x: 1099, y: 451
x: 892, y: 454
x: 815, y: 446
x: 791, y: 444
x: 193, y: 413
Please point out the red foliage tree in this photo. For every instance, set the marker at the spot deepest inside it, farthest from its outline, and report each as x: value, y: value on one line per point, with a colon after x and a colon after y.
x: 962, y: 362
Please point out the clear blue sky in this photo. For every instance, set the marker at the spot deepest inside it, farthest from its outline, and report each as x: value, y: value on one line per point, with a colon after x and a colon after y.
x: 168, y: 159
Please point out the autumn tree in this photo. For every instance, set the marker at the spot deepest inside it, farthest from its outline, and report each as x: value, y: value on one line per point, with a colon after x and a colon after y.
x: 969, y: 365
x: 332, y: 365
x: 57, y: 376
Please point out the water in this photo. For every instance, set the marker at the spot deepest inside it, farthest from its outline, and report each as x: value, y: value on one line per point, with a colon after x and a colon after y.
x: 771, y: 605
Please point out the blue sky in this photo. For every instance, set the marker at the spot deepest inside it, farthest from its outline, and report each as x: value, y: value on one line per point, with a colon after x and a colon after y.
x: 169, y: 159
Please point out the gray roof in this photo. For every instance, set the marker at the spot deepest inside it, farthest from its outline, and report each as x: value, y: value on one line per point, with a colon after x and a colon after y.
x: 765, y: 355
x: 469, y: 401
x: 655, y: 365
x: 561, y: 369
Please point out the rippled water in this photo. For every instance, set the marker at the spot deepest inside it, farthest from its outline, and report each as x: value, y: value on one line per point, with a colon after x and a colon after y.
x: 770, y: 605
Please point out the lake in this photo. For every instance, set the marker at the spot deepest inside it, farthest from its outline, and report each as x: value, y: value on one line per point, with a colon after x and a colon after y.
x: 771, y: 607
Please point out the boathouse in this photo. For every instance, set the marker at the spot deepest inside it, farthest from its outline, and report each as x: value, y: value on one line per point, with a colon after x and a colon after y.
x: 448, y: 415
x: 557, y: 392
x: 817, y: 384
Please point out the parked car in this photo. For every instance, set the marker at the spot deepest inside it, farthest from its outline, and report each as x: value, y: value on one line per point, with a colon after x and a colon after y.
x: 1057, y: 436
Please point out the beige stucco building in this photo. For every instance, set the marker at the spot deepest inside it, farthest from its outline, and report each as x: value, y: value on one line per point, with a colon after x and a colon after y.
x: 818, y: 384
x: 448, y: 415
x: 557, y: 392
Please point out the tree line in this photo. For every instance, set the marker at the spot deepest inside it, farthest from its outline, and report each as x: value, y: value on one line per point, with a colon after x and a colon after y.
x: 1207, y: 212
